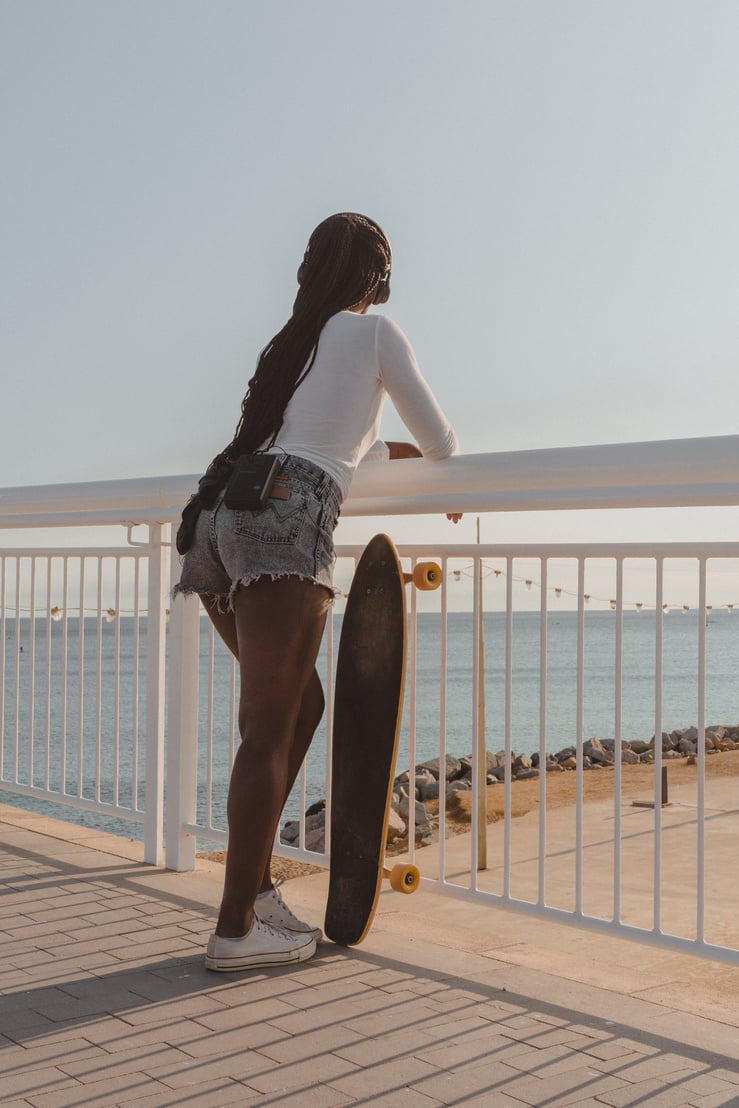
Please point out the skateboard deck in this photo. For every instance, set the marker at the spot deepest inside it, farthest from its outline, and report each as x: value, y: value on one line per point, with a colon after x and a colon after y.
x: 368, y: 703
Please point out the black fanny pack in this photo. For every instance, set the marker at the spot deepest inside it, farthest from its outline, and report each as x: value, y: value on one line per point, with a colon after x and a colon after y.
x: 251, y: 482
x: 248, y: 483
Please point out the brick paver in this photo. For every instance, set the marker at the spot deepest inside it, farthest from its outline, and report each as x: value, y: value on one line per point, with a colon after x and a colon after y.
x: 104, y: 1000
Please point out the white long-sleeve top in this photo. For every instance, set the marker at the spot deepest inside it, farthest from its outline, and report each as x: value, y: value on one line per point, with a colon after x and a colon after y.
x: 333, y: 417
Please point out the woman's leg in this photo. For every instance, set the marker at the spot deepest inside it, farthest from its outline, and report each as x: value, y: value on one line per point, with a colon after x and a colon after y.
x: 223, y: 621
x: 311, y: 709
x: 279, y: 625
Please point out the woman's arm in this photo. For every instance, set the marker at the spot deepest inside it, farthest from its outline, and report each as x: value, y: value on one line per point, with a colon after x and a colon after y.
x: 409, y: 391
x: 413, y: 399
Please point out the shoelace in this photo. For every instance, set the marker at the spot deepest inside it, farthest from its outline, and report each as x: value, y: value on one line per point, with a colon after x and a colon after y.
x: 275, y: 889
x: 272, y: 932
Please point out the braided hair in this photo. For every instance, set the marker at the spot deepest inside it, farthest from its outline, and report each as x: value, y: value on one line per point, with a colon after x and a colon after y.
x: 348, y: 258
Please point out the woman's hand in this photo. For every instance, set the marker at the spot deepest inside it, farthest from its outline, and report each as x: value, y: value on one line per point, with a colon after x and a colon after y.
x: 403, y: 450
x: 410, y: 450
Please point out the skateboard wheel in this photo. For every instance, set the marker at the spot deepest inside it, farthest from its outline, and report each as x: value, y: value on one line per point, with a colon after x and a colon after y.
x: 404, y: 879
x: 426, y: 576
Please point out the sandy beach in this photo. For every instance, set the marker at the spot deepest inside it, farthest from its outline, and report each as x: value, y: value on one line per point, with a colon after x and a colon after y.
x: 637, y: 784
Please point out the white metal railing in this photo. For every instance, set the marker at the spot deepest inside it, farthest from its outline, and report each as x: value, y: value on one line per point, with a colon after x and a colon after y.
x: 675, y: 853
x: 74, y: 731
x: 80, y: 725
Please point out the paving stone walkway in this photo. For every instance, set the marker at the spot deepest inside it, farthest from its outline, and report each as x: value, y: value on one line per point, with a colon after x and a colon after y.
x: 104, y: 1001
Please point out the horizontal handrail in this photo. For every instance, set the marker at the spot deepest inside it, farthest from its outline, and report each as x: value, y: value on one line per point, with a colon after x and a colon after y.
x: 666, y: 473
x: 667, y: 463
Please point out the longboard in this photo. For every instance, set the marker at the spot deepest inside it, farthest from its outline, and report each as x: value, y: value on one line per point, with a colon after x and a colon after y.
x: 368, y: 703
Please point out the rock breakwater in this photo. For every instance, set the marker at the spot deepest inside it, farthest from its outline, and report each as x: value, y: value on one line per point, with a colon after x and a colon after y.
x: 420, y: 791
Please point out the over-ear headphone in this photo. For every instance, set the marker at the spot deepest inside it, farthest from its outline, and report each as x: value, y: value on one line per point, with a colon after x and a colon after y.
x: 382, y: 294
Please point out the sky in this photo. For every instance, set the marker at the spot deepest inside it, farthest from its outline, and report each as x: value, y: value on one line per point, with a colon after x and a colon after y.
x: 558, y: 179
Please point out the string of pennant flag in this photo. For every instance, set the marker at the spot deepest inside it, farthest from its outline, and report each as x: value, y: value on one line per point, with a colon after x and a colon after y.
x: 557, y: 591
x: 109, y: 615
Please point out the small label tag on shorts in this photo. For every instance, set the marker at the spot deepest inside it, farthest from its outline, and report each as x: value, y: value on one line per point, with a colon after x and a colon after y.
x: 280, y: 489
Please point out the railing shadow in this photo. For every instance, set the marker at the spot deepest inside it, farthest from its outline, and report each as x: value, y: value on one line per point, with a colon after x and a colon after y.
x: 261, y: 1027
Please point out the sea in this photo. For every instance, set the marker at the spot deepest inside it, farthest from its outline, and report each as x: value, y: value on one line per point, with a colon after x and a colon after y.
x: 101, y: 692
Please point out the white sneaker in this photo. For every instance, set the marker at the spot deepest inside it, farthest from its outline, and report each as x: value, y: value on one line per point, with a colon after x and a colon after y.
x: 271, y: 908
x: 261, y: 946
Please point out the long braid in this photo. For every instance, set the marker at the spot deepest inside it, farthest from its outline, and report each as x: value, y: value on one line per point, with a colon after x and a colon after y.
x: 347, y: 257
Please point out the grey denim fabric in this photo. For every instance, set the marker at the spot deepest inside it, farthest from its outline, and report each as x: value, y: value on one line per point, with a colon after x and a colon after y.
x: 287, y: 538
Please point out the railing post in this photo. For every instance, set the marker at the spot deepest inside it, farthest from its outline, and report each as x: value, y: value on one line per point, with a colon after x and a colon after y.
x: 481, y: 738
x: 155, y: 684
x: 182, y: 728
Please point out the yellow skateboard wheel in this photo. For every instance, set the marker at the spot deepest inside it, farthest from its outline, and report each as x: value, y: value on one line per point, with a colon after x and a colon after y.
x: 426, y: 576
x: 404, y: 879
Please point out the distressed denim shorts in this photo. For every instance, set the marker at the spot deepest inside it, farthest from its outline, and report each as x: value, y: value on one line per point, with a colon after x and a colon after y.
x: 292, y: 536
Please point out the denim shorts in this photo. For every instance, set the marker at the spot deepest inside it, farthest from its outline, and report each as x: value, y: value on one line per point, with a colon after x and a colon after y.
x: 292, y: 536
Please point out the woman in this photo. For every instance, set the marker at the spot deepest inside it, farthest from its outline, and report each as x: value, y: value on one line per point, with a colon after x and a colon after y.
x: 264, y: 576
